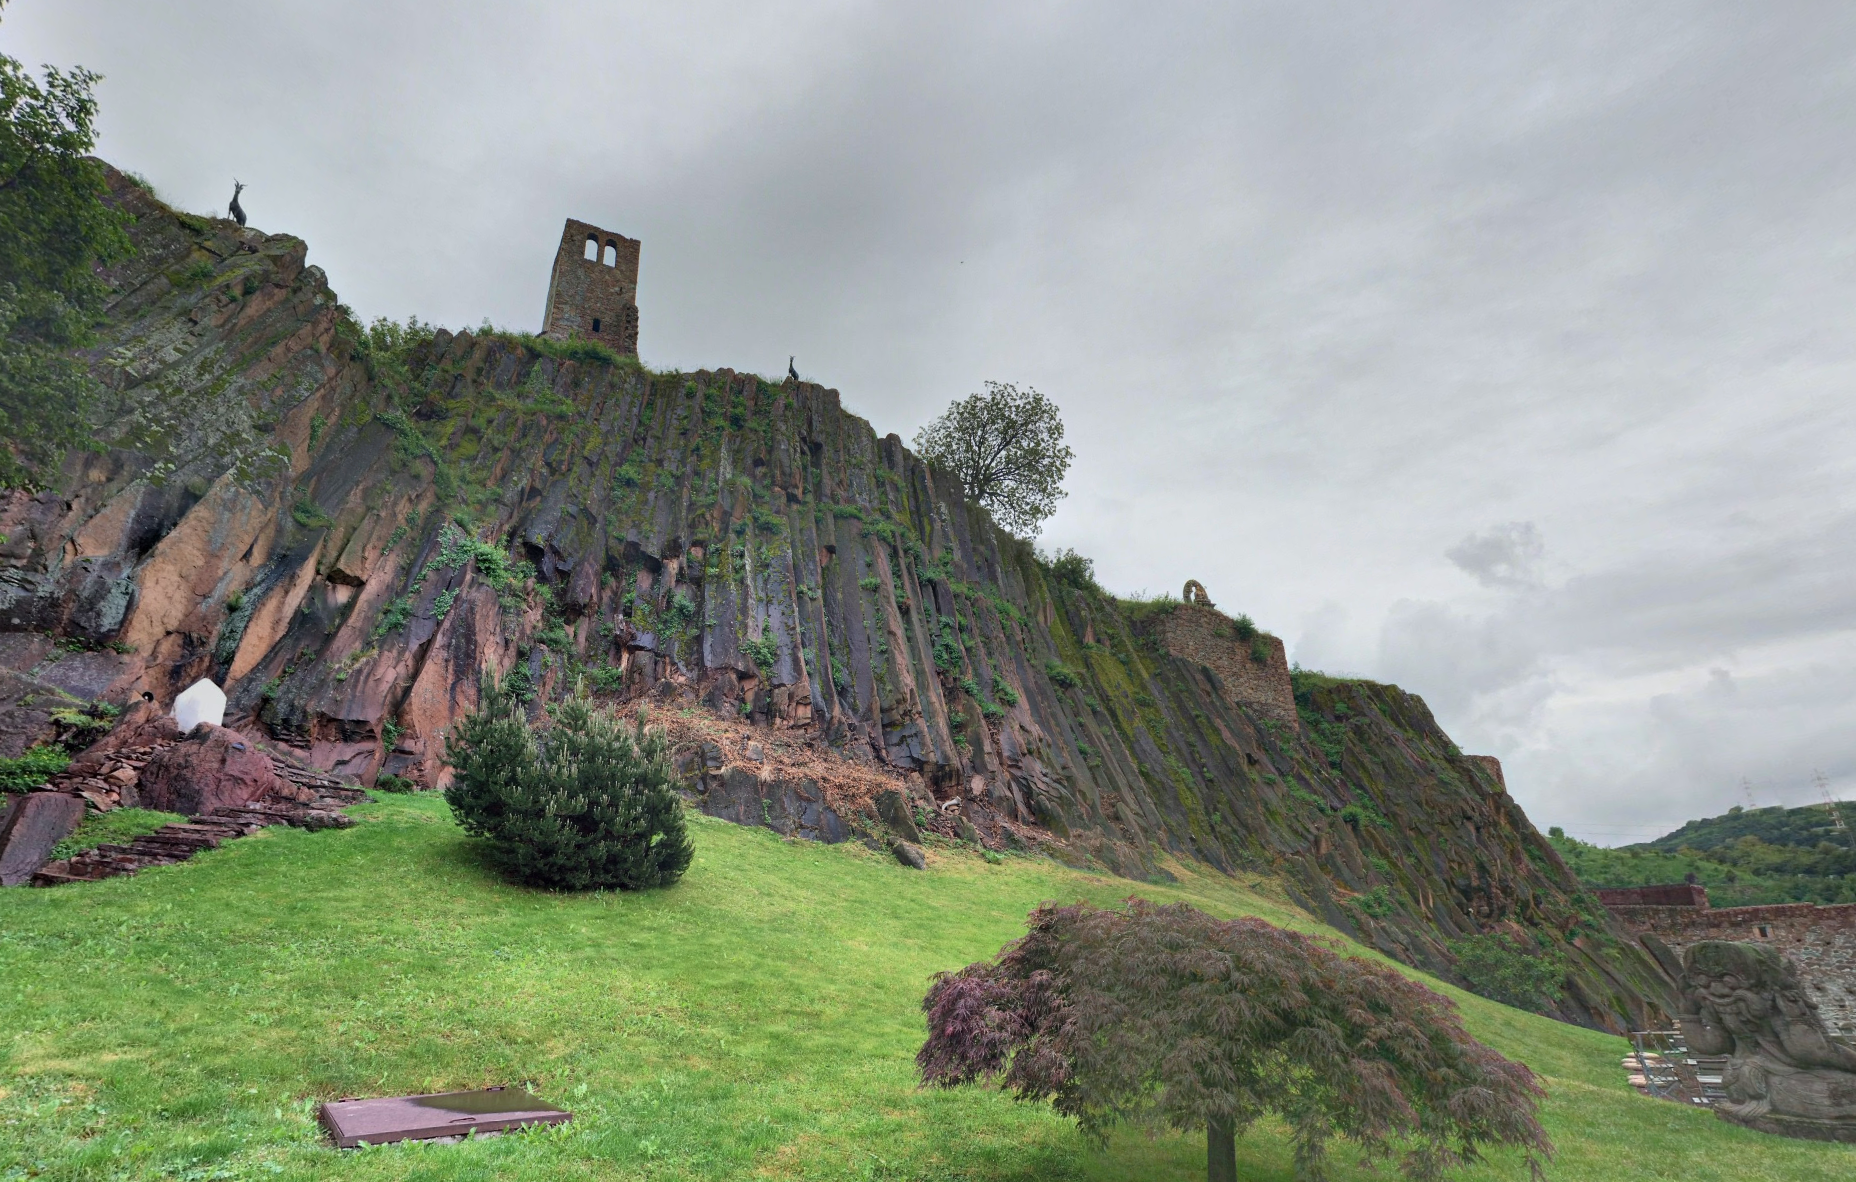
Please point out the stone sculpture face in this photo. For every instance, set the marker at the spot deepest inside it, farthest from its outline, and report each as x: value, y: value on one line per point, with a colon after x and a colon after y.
x: 1785, y: 1074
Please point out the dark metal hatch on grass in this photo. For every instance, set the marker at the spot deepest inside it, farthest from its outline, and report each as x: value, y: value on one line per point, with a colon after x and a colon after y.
x: 446, y: 1114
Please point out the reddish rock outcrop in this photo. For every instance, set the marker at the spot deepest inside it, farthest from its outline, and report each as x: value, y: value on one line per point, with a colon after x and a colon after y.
x: 143, y: 724
x: 211, y: 768
x: 31, y: 826
x: 346, y: 535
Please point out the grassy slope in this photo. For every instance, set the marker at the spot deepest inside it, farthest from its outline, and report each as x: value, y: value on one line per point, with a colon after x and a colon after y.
x: 758, y: 1020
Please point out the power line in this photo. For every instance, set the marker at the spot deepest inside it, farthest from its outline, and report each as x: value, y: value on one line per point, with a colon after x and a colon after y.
x: 1836, y: 818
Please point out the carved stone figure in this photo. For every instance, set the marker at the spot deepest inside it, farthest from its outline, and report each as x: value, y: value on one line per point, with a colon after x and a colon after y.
x: 235, y: 209
x: 1785, y: 1074
x: 792, y: 375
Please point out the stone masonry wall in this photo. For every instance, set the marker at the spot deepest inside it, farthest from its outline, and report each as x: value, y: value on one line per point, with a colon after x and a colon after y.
x: 1678, y: 894
x: 594, y: 298
x: 1821, y: 941
x: 1208, y: 637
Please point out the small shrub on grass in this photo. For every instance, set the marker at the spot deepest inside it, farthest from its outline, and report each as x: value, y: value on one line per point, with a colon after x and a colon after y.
x: 388, y: 782
x: 579, y: 805
x: 36, y: 766
x: 1501, y: 970
x: 1165, y: 1016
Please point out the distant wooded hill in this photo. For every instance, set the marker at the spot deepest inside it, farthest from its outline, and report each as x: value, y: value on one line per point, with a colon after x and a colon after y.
x: 1743, y: 857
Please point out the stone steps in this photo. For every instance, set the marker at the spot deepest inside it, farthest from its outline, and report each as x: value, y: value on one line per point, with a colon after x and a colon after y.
x: 179, y: 841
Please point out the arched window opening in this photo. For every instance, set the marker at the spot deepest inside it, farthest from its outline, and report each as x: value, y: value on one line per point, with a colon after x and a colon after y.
x: 595, y: 324
x: 592, y: 248
x: 611, y: 258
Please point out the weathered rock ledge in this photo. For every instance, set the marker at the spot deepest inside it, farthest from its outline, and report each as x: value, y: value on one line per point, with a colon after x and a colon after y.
x: 346, y: 535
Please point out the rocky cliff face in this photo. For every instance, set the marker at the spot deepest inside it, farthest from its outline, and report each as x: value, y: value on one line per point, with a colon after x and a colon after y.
x: 345, y: 532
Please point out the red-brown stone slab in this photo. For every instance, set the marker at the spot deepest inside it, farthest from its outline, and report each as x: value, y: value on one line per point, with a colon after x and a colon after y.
x: 211, y: 768
x: 30, y: 829
x: 444, y: 1114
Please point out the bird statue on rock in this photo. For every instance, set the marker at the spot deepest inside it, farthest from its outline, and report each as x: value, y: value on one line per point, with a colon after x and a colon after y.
x: 235, y: 209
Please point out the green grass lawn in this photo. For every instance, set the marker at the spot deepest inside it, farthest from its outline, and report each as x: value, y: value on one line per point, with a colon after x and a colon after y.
x: 758, y: 1020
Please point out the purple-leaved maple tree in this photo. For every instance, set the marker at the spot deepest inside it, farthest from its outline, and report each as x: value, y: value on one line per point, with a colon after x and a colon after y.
x: 1164, y: 1015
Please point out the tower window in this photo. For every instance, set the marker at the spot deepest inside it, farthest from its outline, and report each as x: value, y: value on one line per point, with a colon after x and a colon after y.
x: 592, y: 248
x: 595, y: 324
x: 611, y: 257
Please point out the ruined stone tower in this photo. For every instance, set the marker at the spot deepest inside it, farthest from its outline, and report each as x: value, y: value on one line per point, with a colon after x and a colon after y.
x: 593, y: 292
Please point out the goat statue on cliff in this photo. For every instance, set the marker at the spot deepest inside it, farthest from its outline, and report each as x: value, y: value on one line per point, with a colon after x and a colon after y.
x: 1785, y: 1074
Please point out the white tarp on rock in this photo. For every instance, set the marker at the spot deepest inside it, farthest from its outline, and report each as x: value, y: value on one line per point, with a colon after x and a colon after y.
x: 200, y: 702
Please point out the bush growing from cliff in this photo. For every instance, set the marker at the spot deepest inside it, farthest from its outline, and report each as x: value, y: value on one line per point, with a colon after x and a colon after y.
x: 54, y: 227
x: 1073, y: 570
x: 1006, y: 447
x: 1501, y: 970
x: 34, y: 767
x: 581, y: 804
x: 1163, y: 1015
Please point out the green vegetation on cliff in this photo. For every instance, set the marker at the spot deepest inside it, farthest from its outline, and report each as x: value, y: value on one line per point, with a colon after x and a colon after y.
x: 344, y: 525
x: 758, y: 1020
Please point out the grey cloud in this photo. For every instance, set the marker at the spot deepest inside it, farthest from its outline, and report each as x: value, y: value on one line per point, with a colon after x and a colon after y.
x: 1510, y: 555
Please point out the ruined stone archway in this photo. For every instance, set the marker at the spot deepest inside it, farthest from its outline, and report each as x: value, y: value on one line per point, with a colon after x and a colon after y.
x: 1194, y: 592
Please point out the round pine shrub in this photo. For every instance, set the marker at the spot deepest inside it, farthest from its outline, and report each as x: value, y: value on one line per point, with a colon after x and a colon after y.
x: 577, y: 805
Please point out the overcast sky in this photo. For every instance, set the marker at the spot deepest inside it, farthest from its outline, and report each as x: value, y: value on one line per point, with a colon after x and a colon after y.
x: 1501, y: 351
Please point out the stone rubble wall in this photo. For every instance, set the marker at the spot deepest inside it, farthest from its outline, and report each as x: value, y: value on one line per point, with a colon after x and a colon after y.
x: 591, y: 298
x: 1206, y: 636
x: 1820, y: 940
x: 1680, y: 894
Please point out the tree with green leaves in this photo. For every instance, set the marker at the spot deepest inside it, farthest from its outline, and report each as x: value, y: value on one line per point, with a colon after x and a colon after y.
x: 1501, y: 970
x: 54, y: 230
x: 577, y: 805
x: 1164, y: 1015
x: 1006, y: 447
